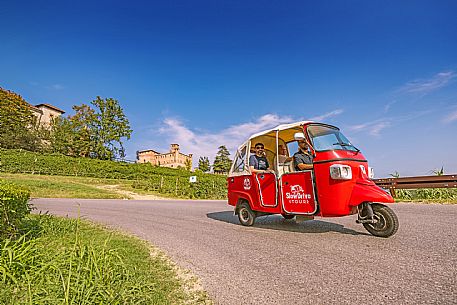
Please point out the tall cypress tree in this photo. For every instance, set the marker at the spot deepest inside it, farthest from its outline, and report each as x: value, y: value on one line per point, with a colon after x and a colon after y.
x: 222, y: 161
x: 203, y: 164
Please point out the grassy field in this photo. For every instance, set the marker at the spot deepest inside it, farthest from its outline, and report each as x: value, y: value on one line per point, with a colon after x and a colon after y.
x: 43, y: 186
x: 64, y: 261
x: 168, y: 182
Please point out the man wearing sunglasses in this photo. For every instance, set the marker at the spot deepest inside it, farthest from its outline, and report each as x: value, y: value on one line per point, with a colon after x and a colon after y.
x: 258, y: 163
x: 303, y: 160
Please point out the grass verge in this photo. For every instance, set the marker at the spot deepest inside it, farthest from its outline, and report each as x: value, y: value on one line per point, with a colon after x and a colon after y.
x: 68, y: 261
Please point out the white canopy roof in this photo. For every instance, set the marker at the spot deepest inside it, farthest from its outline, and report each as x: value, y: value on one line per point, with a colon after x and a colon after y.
x: 268, y: 137
x: 279, y: 128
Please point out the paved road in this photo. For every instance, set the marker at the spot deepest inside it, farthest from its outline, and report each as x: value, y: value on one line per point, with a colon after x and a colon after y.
x: 324, y: 261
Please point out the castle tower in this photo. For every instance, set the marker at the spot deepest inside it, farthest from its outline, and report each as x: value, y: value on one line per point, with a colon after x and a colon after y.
x: 174, y: 148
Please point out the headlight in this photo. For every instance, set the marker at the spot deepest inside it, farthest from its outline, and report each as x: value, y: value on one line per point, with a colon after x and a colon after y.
x: 370, y: 172
x: 339, y: 171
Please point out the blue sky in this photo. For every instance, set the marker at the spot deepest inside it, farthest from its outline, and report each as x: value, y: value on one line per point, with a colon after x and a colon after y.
x: 207, y: 73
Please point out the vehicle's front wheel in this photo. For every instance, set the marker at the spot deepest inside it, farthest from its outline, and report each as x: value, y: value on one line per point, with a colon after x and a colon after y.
x: 288, y: 216
x: 386, y: 223
x: 246, y: 215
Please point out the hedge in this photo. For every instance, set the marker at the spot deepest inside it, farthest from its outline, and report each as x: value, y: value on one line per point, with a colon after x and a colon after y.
x: 14, y: 207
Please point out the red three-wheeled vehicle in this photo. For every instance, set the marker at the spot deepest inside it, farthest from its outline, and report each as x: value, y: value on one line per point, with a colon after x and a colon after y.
x: 338, y: 185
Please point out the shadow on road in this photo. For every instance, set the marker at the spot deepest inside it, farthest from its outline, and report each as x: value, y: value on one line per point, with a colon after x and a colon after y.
x: 277, y: 222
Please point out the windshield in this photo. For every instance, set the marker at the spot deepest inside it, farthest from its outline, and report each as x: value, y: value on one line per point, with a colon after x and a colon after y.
x: 328, y: 138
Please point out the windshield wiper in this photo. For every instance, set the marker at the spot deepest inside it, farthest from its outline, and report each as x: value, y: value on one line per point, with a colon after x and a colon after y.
x: 347, y: 144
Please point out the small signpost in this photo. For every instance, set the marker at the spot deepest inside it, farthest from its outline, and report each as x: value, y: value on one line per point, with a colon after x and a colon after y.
x: 193, y: 179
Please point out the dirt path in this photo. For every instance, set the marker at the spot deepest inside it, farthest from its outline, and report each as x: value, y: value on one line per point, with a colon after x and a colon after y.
x: 129, y: 194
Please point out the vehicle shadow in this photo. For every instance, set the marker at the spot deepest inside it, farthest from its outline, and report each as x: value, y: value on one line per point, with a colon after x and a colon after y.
x: 277, y: 222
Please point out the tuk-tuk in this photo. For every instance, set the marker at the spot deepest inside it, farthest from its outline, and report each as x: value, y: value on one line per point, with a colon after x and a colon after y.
x: 338, y: 184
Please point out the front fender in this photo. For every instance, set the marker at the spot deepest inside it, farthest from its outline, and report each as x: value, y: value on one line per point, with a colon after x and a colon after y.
x: 369, y: 192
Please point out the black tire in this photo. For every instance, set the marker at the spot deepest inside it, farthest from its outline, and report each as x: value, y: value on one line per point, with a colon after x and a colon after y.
x: 288, y: 216
x: 245, y: 215
x: 387, y: 222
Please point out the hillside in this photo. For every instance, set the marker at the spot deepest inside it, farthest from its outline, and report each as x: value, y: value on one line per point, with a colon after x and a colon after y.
x: 169, y: 181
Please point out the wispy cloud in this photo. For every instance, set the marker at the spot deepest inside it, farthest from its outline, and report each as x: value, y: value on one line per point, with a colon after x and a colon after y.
x: 426, y: 86
x: 375, y: 128
x: 202, y: 143
x: 205, y: 143
x: 451, y: 117
x: 388, y: 105
x: 327, y: 115
x: 372, y: 128
x: 56, y: 87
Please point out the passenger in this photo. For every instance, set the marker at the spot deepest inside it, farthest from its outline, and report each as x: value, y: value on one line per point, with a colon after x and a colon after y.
x: 283, y: 157
x: 303, y: 160
x: 258, y: 163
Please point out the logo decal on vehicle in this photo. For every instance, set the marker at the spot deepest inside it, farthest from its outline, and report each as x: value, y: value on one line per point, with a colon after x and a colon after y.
x: 247, y: 184
x: 297, y: 195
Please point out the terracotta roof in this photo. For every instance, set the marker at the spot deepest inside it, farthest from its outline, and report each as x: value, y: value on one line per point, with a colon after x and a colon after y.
x: 146, y: 150
x: 35, y: 109
x: 50, y: 106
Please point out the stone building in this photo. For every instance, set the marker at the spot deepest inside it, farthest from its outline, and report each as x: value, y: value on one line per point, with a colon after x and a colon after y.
x: 45, y: 113
x: 174, y: 158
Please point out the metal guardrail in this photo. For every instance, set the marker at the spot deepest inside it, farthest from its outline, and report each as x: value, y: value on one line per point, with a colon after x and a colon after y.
x: 419, y: 182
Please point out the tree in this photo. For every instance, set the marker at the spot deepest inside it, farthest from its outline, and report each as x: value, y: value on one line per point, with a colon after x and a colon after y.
x: 66, y: 138
x: 188, y: 164
x: 395, y: 174
x: 82, y: 124
x: 110, y: 126
x: 73, y: 136
x: 203, y: 164
x: 90, y: 132
x: 18, y: 126
x: 439, y: 172
x: 222, y: 161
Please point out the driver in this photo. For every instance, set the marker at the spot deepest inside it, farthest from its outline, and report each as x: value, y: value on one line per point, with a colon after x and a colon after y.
x: 303, y: 160
x: 258, y: 163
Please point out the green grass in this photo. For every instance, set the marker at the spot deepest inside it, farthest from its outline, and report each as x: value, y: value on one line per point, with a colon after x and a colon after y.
x: 42, y: 186
x: 437, y: 195
x: 64, y: 261
x: 160, y: 180
x: 51, y: 186
x: 61, y: 187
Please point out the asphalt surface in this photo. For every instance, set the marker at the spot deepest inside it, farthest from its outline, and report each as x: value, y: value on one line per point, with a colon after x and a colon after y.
x: 323, y: 261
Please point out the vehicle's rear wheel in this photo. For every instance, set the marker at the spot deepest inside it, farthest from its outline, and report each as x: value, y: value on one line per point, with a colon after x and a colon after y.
x: 288, y: 216
x: 386, y: 223
x: 246, y: 215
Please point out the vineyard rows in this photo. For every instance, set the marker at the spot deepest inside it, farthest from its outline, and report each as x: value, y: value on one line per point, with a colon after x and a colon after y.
x: 147, y: 177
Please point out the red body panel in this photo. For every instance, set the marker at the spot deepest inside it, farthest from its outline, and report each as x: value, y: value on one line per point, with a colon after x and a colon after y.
x: 297, y: 193
x: 267, y: 187
x: 246, y: 187
x: 338, y: 197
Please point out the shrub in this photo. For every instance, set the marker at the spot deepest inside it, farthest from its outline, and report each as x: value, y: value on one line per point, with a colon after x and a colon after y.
x: 14, y: 207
